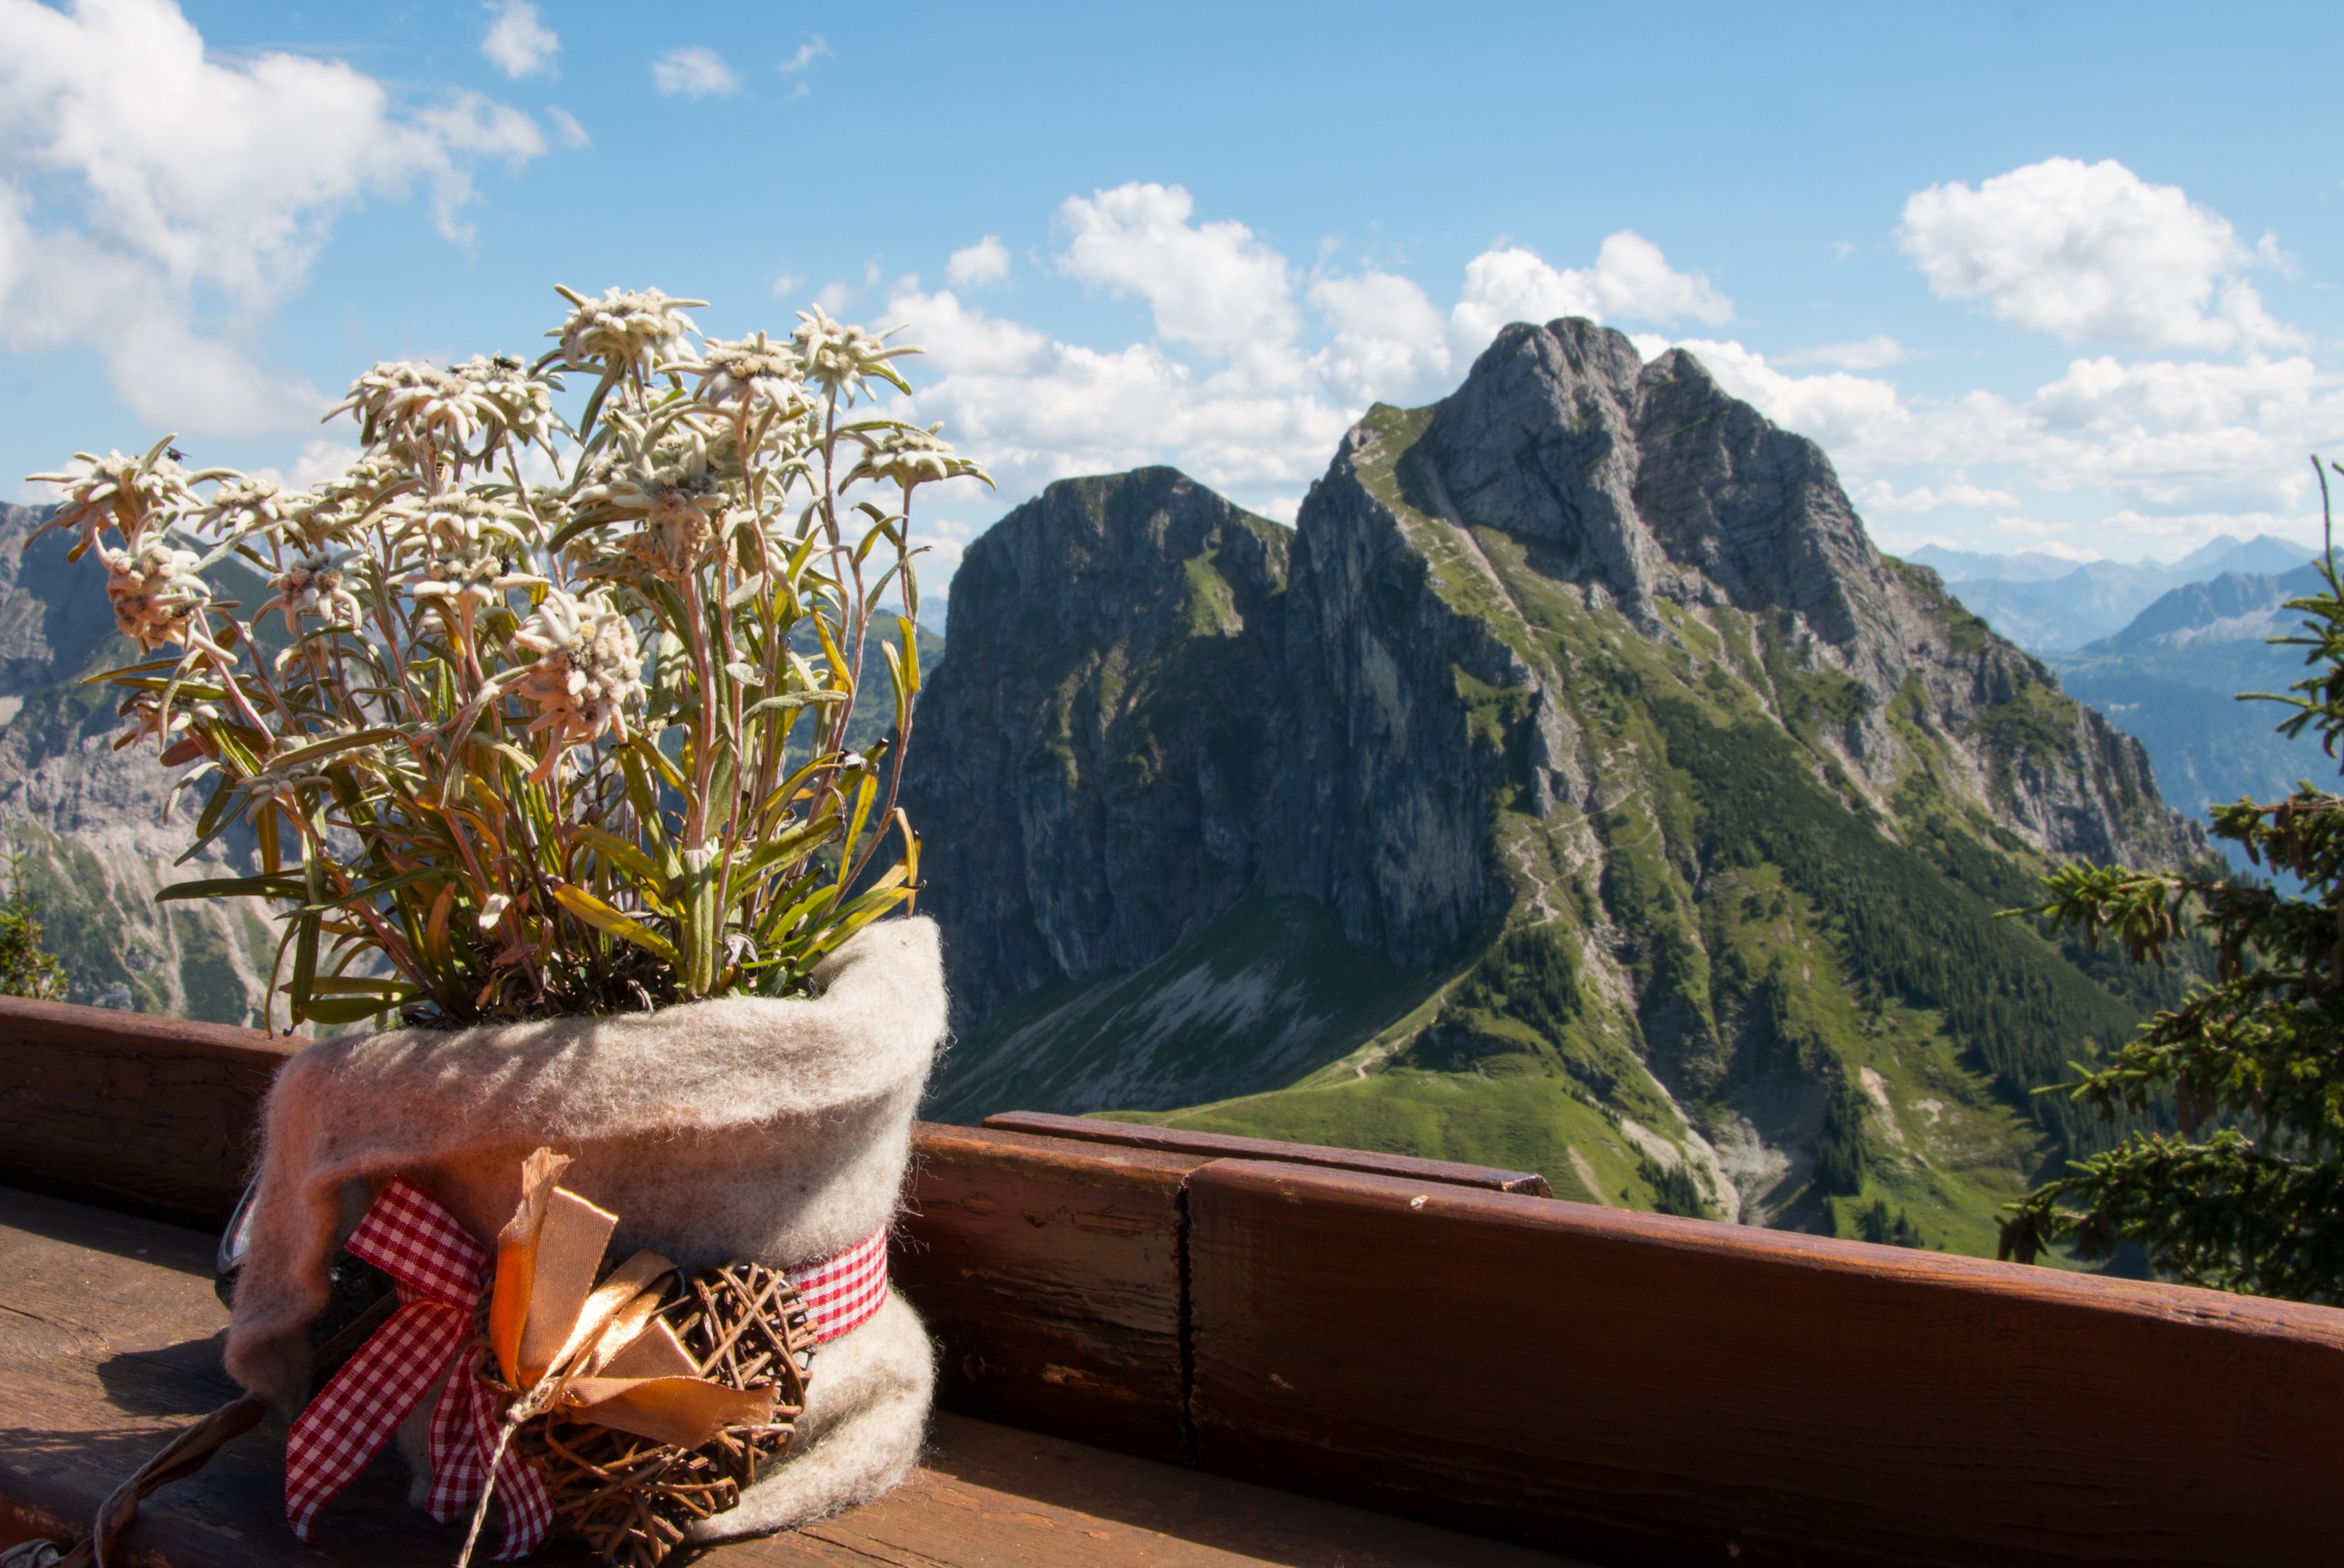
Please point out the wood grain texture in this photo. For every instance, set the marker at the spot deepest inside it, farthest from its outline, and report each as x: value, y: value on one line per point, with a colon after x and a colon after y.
x: 1229, y: 1145
x: 144, y: 1115
x: 109, y: 1344
x: 1049, y: 1273
x: 1635, y: 1388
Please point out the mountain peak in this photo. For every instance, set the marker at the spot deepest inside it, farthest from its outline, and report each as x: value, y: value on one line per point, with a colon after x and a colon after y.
x: 1650, y: 478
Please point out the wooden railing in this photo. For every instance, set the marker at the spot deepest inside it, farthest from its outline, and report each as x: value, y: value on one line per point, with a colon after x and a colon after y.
x: 1442, y: 1342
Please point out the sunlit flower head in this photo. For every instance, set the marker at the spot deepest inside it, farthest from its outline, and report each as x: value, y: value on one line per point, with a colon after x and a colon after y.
x: 155, y: 592
x: 841, y: 358
x: 625, y: 327
x: 588, y: 673
x: 312, y: 587
x: 130, y: 495
x: 756, y: 371
x: 907, y: 455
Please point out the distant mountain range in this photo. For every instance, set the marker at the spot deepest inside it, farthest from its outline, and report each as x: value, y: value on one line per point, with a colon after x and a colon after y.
x: 1574, y: 787
x: 2172, y: 678
x: 2051, y: 606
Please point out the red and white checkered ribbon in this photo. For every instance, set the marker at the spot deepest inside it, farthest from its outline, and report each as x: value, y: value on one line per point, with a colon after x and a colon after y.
x: 440, y: 1271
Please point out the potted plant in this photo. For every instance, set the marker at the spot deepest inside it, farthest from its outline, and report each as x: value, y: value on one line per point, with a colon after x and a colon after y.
x: 544, y: 740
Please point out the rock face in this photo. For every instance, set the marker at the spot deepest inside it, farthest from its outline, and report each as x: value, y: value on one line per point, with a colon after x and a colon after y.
x: 88, y: 818
x: 1584, y: 706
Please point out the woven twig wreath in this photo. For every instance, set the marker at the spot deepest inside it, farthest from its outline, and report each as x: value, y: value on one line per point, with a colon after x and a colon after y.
x: 632, y: 1500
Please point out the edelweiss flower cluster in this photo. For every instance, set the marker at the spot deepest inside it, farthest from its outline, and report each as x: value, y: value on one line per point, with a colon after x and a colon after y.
x: 589, y: 672
x: 541, y: 648
x: 155, y: 592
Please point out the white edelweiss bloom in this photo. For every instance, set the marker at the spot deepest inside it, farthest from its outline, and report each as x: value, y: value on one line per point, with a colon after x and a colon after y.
x: 624, y: 327
x: 907, y: 455
x: 131, y: 495
x: 521, y: 402
x: 243, y: 506
x: 409, y: 397
x: 155, y: 592
x: 466, y: 577
x: 840, y: 358
x: 312, y: 585
x: 752, y: 370
x: 588, y: 673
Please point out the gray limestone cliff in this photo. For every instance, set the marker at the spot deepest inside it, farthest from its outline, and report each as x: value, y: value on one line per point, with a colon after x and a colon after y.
x: 1509, y: 711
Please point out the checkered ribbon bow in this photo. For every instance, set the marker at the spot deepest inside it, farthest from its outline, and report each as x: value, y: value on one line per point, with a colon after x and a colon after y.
x: 440, y: 1271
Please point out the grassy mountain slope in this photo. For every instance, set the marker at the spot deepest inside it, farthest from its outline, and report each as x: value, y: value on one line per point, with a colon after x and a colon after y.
x: 1734, y: 830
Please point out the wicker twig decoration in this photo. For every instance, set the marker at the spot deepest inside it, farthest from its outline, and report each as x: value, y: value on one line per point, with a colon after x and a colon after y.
x: 632, y: 1500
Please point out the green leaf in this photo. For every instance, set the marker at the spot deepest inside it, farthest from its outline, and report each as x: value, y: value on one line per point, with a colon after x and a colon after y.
x: 602, y: 916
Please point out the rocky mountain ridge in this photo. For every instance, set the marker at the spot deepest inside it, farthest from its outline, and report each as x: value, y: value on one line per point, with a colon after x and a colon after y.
x: 90, y: 818
x: 1434, y: 817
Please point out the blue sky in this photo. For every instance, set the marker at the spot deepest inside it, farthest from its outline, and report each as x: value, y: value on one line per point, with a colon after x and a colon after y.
x: 2037, y: 276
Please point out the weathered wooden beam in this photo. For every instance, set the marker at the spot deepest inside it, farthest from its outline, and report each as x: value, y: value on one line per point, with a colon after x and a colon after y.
x: 1635, y: 1388
x: 1229, y: 1145
x: 1049, y: 1273
x: 138, y: 1114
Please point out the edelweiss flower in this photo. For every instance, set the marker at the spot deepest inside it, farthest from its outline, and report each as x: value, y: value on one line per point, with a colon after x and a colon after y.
x: 242, y: 506
x: 588, y: 671
x: 312, y: 585
x: 624, y: 327
x: 129, y: 494
x: 521, y: 403
x: 752, y: 369
x: 841, y: 358
x: 465, y: 576
x: 155, y: 591
x: 908, y: 456
x: 417, y: 400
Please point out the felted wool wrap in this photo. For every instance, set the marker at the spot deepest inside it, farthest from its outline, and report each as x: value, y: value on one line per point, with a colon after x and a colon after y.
x: 777, y: 1131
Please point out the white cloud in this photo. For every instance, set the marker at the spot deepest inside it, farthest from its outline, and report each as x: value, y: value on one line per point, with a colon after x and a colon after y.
x: 2091, y: 250
x: 146, y: 187
x: 1884, y: 497
x: 1630, y: 280
x: 1388, y: 341
x: 566, y: 127
x: 812, y: 49
x: 1212, y: 285
x: 518, y: 43
x: 787, y: 283
x: 973, y: 266
x: 1874, y: 353
x: 694, y: 72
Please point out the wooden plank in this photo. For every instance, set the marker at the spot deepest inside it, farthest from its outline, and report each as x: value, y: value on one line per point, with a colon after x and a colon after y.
x: 1049, y: 1273
x: 1229, y: 1145
x: 109, y: 1343
x: 146, y: 1115
x: 992, y: 1495
x: 1636, y: 1388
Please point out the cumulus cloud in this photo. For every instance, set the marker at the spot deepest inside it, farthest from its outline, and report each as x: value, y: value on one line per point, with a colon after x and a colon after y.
x: 1630, y: 281
x: 1388, y: 339
x: 146, y: 185
x: 693, y: 72
x: 2091, y: 251
x: 518, y: 43
x: 973, y: 266
x: 1212, y: 285
x: 812, y: 49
